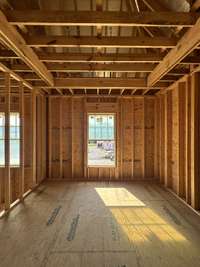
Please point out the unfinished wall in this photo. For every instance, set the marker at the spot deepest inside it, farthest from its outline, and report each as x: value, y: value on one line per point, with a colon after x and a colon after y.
x: 28, y: 144
x: 67, y: 127
x: 178, y: 126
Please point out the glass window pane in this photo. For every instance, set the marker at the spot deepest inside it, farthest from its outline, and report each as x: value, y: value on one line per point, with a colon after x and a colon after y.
x: 2, y: 153
x: 14, y: 132
x: 2, y: 119
x: 14, y: 139
x: 2, y: 132
x: 14, y: 152
x: 101, y: 143
x: 2, y: 136
x: 92, y: 133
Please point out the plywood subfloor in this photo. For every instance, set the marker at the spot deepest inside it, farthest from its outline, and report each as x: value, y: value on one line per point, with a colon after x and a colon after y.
x: 98, y: 225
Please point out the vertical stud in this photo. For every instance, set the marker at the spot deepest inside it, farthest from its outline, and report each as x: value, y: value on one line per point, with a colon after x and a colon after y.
x: 7, y: 143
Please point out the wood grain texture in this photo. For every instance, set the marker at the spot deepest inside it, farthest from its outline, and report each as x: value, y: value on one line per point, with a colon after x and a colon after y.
x: 96, y: 224
x: 134, y: 120
x: 182, y: 146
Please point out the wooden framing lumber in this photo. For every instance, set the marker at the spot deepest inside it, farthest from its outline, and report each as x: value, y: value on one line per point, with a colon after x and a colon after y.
x: 22, y: 150
x: 100, y: 58
x: 91, y: 67
x: 195, y: 154
x: 181, y: 139
x: 196, y: 5
x: 188, y: 148
x: 98, y: 18
x: 90, y: 41
x: 186, y: 45
x: 154, y: 5
x: 90, y: 83
x: 7, y: 179
x: 168, y: 139
x: 34, y: 134
x: 15, y: 75
x: 12, y: 39
x: 49, y: 138
x: 61, y: 138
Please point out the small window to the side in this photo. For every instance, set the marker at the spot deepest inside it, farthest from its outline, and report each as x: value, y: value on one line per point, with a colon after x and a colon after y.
x: 14, y: 139
x: 101, y: 140
x: 2, y: 139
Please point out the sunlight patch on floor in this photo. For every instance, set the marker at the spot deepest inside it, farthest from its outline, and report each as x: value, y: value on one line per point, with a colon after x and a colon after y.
x: 142, y: 223
x: 118, y: 197
x: 139, y: 222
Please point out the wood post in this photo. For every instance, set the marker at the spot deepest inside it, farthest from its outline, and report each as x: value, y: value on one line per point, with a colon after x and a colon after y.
x: 181, y: 139
x: 162, y: 139
x: 195, y: 140
x: 7, y: 143
x: 34, y: 132
x: 188, y: 141
x: 143, y: 139
x: 72, y: 141
x: 21, y: 108
x: 60, y: 138
x: 169, y: 137
x: 49, y: 139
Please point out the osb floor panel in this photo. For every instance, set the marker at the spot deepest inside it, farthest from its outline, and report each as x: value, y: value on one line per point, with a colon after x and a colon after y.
x: 98, y: 225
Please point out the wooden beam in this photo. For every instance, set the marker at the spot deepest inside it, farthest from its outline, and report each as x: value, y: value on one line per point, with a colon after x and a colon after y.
x: 195, y: 141
x: 168, y: 139
x: 196, y: 5
x: 90, y: 57
x: 14, y: 41
x: 185, y: 46
x: 98, y: 18
x: 90, y: 41
x: 94, y: 58
x: 13, y: 83
x: 61, y: 138
x: 34, y: 134
x: 145, y: 91
x: 8, y: 54
x: 99, y: 57
x: 188, y: 148
x: 91, y: 67
x: 49, y: 138
x: 91, y: 83
x: 181, y: 139
x: 154, y: 5
x: 21, y: 108
x: 7, y: 179
x: 15, y: 76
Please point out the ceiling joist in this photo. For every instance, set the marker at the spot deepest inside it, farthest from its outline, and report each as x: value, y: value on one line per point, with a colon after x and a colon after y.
x: 101, y: 83
x: 98, y: 18
x: 13, y: 40
x: 184, y: 47
x: 90, y: 41
x: 100, y: 57
x: 98, y: 67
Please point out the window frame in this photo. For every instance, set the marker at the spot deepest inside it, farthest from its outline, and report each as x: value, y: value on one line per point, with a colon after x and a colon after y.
x: 3, y: 140
x: 18, y: 139
x: 115, y: 139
